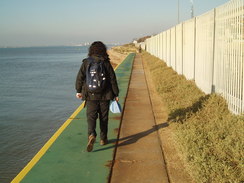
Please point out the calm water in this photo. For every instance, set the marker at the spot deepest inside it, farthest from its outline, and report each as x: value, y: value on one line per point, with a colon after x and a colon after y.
x: 37, y: 95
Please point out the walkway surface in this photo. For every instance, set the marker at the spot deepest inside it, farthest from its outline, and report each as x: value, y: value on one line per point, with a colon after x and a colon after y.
x: 63, y: 159
x: 139, y: 155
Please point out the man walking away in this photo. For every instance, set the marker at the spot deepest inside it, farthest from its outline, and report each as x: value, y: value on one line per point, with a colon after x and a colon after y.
x: 96, y: 83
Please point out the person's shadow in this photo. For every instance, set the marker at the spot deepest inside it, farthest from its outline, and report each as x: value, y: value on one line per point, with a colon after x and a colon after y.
x: 132, y: 138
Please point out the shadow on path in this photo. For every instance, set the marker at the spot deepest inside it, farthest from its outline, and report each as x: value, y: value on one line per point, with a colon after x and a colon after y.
x: 132, y: 138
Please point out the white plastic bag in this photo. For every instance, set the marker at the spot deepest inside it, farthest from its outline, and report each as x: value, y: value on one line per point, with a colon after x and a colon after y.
x: 115, y: 107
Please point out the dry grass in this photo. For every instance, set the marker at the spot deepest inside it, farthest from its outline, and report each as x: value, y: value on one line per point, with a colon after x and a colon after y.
x: 125, y: 49
x: 209, y: 137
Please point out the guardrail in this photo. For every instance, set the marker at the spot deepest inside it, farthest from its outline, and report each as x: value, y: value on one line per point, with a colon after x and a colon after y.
x: 208, y: 49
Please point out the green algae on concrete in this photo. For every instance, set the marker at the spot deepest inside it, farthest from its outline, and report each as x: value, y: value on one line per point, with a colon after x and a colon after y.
x: 67, y: 161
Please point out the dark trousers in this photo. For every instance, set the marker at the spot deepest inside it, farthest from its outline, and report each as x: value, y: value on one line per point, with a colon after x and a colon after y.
x: 94, y: 109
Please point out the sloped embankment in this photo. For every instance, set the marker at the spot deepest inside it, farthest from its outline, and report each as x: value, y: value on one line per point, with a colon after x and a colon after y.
x: 208, y: 136
x: 118, y: 53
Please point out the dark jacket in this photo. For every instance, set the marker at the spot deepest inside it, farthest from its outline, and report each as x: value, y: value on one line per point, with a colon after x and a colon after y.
x: 110, y: 92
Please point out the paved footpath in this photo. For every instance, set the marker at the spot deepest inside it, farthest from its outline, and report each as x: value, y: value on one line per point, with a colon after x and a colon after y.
x: 63, y: 159
x: 139, y: 155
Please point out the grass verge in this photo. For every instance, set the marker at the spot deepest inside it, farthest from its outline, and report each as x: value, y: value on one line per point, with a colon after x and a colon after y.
x: 208, y: 136
x: 125, y: 49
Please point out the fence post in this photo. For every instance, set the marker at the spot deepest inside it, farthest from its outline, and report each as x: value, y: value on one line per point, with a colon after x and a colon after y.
x: 195, y: 45
x: 214, y: 39
x: 175, y: 50
x: 182, y: 56
x: 242, y: 64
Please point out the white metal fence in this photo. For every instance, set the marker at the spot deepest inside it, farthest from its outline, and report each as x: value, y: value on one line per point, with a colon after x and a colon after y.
x: 208, y: 49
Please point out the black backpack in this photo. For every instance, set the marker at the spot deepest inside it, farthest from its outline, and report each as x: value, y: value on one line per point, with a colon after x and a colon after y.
x: 95, y: 76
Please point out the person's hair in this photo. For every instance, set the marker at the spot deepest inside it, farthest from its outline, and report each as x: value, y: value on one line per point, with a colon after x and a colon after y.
x: 98, y: 48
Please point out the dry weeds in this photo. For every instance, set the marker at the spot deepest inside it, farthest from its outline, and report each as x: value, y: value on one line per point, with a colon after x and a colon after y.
x: 209, y: 137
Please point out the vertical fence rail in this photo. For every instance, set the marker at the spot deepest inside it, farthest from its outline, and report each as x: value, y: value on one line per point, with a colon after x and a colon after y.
x: 242, y: 56
x: 189, y: 48
x: 179, y: 54
x: 168, y: 48
x: 204, y: 51
x: 172, y: 49
x: 165, y: 46
x: 208, y: 49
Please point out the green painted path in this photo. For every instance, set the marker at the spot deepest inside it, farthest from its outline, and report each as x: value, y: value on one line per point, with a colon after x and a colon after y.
x: 66, y: 160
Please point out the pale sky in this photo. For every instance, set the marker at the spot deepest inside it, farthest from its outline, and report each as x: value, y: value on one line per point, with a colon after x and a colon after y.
x: 71, y: 22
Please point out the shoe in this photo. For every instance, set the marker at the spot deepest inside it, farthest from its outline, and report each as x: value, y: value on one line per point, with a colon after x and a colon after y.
x: 103, y: 142
x: 91, y: 141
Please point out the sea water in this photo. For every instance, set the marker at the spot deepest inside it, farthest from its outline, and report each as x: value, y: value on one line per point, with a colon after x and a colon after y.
x: 37, y: 95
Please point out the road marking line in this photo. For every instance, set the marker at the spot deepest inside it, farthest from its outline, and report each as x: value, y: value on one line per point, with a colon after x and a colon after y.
x: 48, y: 144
